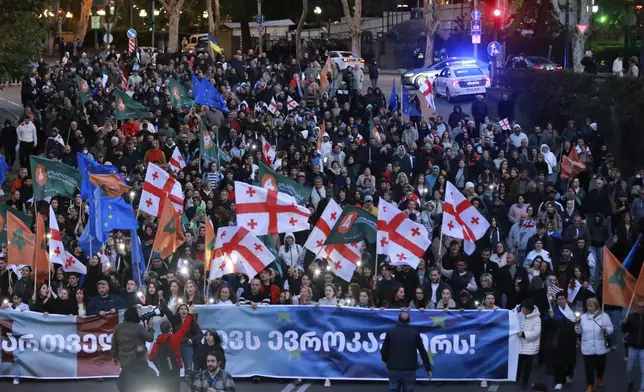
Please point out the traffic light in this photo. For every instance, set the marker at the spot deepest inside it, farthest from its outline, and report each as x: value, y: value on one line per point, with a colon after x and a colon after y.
x: 497, y: 12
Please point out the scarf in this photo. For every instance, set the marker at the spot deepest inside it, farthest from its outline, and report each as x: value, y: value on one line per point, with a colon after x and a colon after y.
x: 565, y: 312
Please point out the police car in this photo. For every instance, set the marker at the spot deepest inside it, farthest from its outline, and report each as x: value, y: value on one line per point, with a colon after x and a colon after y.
x: 417, y: 77
x: 458, y: 81
x: 346, y: 59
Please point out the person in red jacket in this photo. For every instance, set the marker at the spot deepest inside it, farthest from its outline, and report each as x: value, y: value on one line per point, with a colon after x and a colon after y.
x: 270, y: 289
x: 168, y: 345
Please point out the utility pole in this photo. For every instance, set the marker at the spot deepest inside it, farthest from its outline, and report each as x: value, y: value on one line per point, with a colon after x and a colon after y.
x: 567, y: 32
x: 153, y: 23
x: 475, y: 6
x: 260, y: 26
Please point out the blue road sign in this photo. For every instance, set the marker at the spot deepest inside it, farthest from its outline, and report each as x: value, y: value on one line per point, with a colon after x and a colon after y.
x: 476, y: 27
x: 131, y: 33
x: 494, y: 49
x: 259, y: 19
x: 476, y: 15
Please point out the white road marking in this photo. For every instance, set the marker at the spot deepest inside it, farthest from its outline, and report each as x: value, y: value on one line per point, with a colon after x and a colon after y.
x: 493, y: 388
x: 304, y: 387
x: 289, y: 388
x: 15, y: 104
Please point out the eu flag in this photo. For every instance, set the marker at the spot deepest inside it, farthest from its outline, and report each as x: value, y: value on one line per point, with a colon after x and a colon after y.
x: 138, y: 260
x: 88, y: 243
x: 207, y: 94
x: 408, y: 108
x: 117, y: 214
x: 393, y: 98
x: 87, y: 166
x: 4, y: 167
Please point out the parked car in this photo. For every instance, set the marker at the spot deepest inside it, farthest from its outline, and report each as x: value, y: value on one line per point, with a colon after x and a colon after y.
x: 539, y: 63
x: 346, y: 59
x: 197, y: 43
x: 459, y: 81
x: 416, y: 77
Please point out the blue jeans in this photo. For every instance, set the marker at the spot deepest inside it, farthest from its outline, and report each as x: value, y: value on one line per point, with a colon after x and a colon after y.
x: 374, y: 83
x: 402, y: 380
x: 187, y: 352
x: 635, y: 357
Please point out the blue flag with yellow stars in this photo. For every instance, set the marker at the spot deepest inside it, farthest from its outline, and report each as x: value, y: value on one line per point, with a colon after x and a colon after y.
x: 408, y: 107
x: 109, y: 213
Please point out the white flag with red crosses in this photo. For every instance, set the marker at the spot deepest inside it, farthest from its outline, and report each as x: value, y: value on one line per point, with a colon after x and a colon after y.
x: 273, y: 107
x: 239, y: 250
x: 291, y: 104
x: 177, y: 163
x: 401, y: 239
x: 343, y: 259
x: 268, y: 153
x: 72, y: 264
x: 461, y: 219
x: 56, y: 248
x: 267, y: 211
x: 322, y: 228
x: 428, y: 92
x: 158, y: 187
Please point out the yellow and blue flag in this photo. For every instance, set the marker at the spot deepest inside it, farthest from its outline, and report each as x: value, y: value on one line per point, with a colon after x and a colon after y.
x: 214, y: 45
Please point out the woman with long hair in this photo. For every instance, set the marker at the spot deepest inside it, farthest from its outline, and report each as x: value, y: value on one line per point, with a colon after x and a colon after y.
x: 225, y: 296
x: 192, y: 338
x: 594, y: 326
x: 365, y: 299
x: 211, y: 345
x: 152, y: 295
x: 420, y: 300
x: 192, y: 294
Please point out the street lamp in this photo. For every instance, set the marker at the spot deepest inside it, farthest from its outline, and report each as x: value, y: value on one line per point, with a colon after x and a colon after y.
x: 100, y: 12
x: 157, y: 12
x: 143, y: 13
x: 69, y: 15
x: 595, y: 9
x: 317, y: 10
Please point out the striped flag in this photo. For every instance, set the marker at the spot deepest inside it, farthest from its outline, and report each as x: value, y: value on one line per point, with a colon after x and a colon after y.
x: 553, y: 289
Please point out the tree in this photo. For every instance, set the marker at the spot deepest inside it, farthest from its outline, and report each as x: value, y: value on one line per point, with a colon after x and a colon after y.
x: 354, y: 22
x: 81, y: 27
x: 432, y: 22
x: 300, y: 26
x: 173, y: 10
x: 580, y: 11
x: 214, y: 19
x: 22, y: 34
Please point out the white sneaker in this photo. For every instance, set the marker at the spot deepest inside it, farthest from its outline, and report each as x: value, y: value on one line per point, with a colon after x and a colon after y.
x: 568, y: 379
x: 16, y: 381
x: 327, y: 383
x: 558, y: 387
x: 483, y: 384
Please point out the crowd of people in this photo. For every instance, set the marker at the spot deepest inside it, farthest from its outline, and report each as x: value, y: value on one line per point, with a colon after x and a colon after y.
x: 544, y: 229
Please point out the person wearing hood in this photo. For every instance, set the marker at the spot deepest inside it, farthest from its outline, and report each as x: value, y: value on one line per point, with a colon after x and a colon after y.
x: 290, y: 252
x: 8, y: 141
x: 170, y: 367
x: 551, y: 161
x: 405, y: 160
x: 529, y: 339
x: 456, y: 116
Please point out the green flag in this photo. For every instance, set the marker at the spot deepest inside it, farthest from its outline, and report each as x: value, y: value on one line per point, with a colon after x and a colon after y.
x: 26, y: 219
x: 53, y: 178
x: 83, y: 89
x: 354, y: 225
x: 127, y: 108
x: 269, y: 179
x: 374, y: 134
x: 210, y: 152
x: 178, y: 95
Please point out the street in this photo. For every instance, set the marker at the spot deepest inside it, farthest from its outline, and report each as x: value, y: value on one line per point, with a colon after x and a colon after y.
x: 615, y: 381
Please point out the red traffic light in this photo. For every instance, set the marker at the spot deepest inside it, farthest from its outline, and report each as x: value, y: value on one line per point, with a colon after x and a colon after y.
x: 497, y: 12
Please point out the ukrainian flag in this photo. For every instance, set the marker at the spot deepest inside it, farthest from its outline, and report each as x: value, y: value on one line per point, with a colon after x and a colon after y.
x: 215, y: 45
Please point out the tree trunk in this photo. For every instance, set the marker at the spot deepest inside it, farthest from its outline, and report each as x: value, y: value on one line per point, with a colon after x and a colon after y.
x: 298, y: 32
x: 432, y: 22
x: 50, y: 38
x: 172, y: 10
x: 81, y: 28
x: 355, y: 24
x: 212, y: 28
x: 578, y: 45
x: 217, y: 14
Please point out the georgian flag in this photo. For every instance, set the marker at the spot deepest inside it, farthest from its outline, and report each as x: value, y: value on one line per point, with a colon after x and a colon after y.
x: 291, y: 104
x: 239, y: 250
x: 55, y: 243
x: 267, y: 211
x: 461, y: 219
x: 322, y: 228
x: 343, y: 259
x: 574, y: 288
x: 176, y: 161
x: 400, y: 238
x: 72, y: 264
x: 239, y: 107
x: 428, y: 92
x: 273, y: 107
x: 269, y: 153
x: 158, y: 187
x: 505, y: 124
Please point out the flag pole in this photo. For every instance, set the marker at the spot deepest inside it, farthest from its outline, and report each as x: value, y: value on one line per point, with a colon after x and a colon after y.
x: 630, y: 305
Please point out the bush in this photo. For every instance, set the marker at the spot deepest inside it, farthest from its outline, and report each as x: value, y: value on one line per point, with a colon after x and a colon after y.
x: 615, y: 104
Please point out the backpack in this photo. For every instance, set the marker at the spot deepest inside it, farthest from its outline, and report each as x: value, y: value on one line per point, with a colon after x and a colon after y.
x: 166, y: 361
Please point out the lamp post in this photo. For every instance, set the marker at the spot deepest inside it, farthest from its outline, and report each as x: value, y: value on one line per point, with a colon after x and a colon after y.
x: 594, y: 9
x: 317, y: 11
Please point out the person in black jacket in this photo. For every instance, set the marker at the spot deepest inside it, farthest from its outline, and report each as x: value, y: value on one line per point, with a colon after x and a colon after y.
x: 211, y: 345
x: 8, y: 141
x: 138, y: 375
x: 399, y: 354
x: 633, y: 326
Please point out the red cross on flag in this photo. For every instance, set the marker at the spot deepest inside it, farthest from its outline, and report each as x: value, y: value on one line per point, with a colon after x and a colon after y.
x: 505, y: 124
x: 400, y: 238
x: 428, y: 92
x: 291, y: 104
x: 268, y: 153
x: 239, y: 250
x: 273, y: 107
x: 72, y: 264
x: 343, y: 259
x: 158, y: 187
x: 461, y: 219
x: 267, y: 211
x: 323, y: 227
x: 56, y: 248
x: 177, y: 163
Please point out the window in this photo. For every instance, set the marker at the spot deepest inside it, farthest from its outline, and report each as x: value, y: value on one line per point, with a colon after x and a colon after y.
x: 468, y: 72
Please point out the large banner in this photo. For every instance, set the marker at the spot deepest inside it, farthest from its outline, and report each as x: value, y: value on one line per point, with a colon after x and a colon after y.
x: 299, y: 341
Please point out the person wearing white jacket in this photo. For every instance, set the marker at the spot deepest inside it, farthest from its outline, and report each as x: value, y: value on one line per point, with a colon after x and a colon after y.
x: 595, y: 327
x: 290, y: 252
x: 529, y: 339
